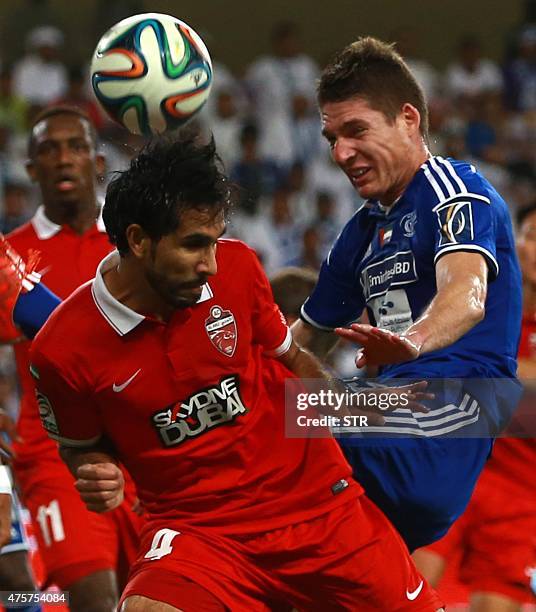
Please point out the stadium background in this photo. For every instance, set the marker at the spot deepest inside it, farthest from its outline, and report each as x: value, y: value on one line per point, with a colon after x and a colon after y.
x: 292, y: 196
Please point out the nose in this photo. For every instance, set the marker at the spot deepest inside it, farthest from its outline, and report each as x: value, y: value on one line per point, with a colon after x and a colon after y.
x: 207, y: 264
x: 342, y: 151
x: 64, y: 154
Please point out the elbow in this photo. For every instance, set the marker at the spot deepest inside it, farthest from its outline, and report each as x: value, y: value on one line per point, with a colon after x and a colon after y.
x: 478, y: 312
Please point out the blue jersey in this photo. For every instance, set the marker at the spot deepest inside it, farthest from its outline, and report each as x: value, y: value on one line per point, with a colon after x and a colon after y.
x: 384, y: 261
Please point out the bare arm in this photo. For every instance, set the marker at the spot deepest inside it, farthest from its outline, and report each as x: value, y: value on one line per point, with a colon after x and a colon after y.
x: 317, y: 341
x: 458, y: 306
x: 99, y: 479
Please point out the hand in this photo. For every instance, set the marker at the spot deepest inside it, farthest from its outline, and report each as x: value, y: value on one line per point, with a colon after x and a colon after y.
x: 8, y: 426
x: 100, y: 486
x: 5, y: 518
x: 380, y: 346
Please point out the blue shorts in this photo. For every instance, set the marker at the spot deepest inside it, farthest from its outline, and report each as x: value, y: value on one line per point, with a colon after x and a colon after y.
x: 421, y: 484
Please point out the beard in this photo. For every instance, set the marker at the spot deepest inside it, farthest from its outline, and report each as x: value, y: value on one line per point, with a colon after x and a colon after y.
x: 177, y: 295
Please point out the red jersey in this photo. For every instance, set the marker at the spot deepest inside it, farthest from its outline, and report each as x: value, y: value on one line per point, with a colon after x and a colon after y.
x: 184, y: 403
x: 513, y: 459
x: 67, y: 260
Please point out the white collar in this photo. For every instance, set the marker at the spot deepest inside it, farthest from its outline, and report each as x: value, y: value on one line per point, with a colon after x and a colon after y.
x: 45, y: 228
x: 120, y: 317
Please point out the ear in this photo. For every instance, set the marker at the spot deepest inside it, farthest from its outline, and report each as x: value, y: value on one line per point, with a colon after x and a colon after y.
x: 30, y: 170
x: 411, y: 117
x: 100, y: 164
x: 138, y: 241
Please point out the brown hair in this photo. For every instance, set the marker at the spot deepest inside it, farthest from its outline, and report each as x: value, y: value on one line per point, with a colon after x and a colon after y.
x: 372, y: 70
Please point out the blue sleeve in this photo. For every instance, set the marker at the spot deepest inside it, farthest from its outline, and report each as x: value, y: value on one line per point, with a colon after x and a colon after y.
x: 467, y: 222
x: 338, y: 298
x: 33, y: 309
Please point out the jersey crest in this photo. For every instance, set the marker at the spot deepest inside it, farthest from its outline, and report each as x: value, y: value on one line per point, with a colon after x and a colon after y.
x: 221, y: 330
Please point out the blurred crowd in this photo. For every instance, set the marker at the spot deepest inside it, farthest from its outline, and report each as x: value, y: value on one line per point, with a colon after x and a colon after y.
x: 293, y: 200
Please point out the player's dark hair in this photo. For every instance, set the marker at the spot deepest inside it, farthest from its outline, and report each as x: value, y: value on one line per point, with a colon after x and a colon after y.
x: 524, y: 212
x: 291, y: 287
x: 168, y: 177
x: 57, y: 110
x: 371, y: 69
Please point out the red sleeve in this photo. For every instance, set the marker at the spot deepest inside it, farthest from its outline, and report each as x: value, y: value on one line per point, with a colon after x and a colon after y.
x: 67, y: 413
x: 270, y: 329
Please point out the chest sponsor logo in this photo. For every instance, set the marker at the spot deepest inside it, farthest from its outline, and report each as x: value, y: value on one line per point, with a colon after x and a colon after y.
x: 221, y: 330
x: 200, y: 412
x: 378, y: 277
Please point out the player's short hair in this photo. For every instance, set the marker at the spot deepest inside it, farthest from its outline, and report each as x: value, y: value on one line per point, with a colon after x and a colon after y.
x: 524, y: 212
x: 291, y: 287
x: 372, y: 70
x: 57, y: 110
x: 169, y: 176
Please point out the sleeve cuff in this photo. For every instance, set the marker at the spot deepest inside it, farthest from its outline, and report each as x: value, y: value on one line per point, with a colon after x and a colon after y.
x: 283, y: 347
x: 492, y: 262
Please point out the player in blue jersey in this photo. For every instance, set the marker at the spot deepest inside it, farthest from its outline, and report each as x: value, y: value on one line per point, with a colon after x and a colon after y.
x: 430, y: 256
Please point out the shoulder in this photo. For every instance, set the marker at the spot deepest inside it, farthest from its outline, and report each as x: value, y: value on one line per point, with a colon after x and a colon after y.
x: 232, y: 250
x: 23, y: 236
x: 451, y: 180
x: 70, y: 323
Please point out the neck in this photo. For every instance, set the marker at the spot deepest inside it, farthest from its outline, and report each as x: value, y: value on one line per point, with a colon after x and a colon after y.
x: 418, y: 158
x: 78, y: 216
x: 129, y: 287
x: 529, y: 298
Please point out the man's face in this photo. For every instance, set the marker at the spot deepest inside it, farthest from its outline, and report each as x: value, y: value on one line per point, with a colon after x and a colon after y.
x: 179, y: 264
x: 63, y: 161
x: 375, y: 153
x: 526, y: 248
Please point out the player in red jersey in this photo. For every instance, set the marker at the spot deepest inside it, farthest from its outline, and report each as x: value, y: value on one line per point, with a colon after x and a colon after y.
x: 165, y: 374
x: 497, y: 532
x: 80, y: 550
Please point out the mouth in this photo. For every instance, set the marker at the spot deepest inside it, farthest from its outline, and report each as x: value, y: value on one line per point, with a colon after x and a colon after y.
x: 65, y: 183
x: 357, y: 175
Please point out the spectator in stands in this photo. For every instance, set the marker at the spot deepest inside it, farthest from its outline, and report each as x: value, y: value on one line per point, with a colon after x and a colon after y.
x: 472, y: 74
x: 40, y: 77
x: 13, y: 108
x: 520, y: 74
x: 16, y: 209
x: 257, y: 175
x: 277, y: 82
x: 76, y: 95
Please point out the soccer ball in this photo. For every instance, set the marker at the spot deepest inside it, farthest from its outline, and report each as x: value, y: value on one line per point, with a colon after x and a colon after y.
x: 151, y: 73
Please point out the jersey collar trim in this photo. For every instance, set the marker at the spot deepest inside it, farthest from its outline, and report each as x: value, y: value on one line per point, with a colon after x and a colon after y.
x: 121, y: 318
x: 45, y: 228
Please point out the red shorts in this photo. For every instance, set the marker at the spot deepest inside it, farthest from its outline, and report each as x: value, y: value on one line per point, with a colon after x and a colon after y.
x: 348, y: 559
x: 497, y: 538
x: 74, y: 542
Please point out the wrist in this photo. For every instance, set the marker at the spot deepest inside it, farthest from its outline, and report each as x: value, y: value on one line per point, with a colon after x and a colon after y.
x: 416, y: 337
x: 5, y: 480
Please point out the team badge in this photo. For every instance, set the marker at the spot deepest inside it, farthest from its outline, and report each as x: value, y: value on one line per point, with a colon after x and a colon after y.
x: 408, y: 223
x: 221, y: 330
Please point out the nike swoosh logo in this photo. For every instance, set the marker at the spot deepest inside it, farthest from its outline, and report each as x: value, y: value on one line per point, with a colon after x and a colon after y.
x: 411, y: 595
x: 119, y: 388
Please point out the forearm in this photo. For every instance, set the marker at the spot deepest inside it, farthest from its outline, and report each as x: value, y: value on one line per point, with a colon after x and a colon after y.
x: 458, y: 306
x: 317, y: 341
